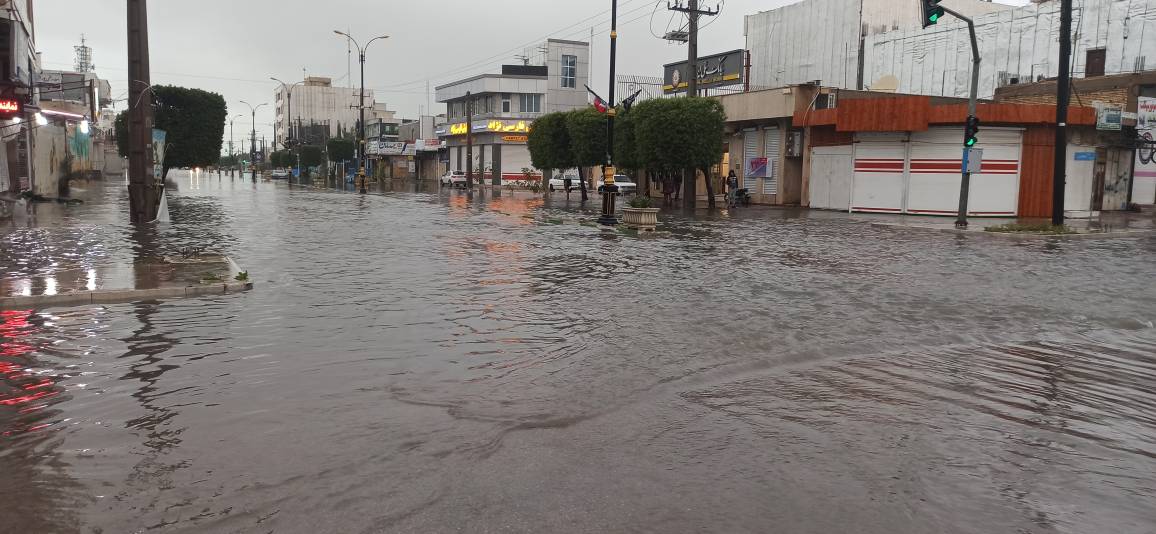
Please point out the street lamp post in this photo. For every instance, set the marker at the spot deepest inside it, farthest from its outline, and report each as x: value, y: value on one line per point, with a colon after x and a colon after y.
x: 361, y: 108
x: 253, y: 140
x: 609, y: 189
x: 232, y: 154
x: 289, y: 115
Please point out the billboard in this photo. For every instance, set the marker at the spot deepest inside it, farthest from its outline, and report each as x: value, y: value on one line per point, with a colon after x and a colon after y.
x: 757, y: 168
x: 713, y: 71
x: 1144, y: 175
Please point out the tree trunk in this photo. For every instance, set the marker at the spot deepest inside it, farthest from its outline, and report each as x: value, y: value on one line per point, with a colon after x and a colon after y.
x: 582, y: 178
x: 689, y: 183
x: 710, y: 202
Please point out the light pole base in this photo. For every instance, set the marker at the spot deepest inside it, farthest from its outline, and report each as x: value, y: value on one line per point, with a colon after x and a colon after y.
x: 609, y: 197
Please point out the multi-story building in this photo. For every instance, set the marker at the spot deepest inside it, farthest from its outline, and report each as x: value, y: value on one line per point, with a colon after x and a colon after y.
x: 18, y: 65
x: 830, y: 41
x: 319, y: 110
x: 505, y: 105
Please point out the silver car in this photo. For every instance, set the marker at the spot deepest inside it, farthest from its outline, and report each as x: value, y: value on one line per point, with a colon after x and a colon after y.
x: 624, y: 183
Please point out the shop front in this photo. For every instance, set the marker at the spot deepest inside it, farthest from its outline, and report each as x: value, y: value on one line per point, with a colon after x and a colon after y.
x: 501, y: 156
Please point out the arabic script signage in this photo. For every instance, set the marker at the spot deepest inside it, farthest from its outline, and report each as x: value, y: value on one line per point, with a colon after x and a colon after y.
x: 713, y: 71
x: 9, y: 108
x: 495, y: 126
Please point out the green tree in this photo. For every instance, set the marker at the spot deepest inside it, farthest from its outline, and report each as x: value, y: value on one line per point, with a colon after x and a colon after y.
x: 340, y: 149
x: 625, y: 147
x: 194, y: 122
x: 681, y: 134
x: 282, y: 158
x: 587, y: 130
x: 311, y: 155
x: 549, y: 143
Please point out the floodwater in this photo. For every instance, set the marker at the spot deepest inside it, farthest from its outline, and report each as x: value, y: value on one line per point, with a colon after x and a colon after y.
x: 425, y: 362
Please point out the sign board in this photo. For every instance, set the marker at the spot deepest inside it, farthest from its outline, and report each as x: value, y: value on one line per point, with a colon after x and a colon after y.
x: 1085, y: 156
x: 713, y: 71
x: 756, y: 168
x: 1109, y: 119
x: 972, y: 160
x: 158, y: 154
x: 10, y: 107
x: 428, y: 145
x: 389, y: 148
x: 495, y: 126
x: 515, y: 138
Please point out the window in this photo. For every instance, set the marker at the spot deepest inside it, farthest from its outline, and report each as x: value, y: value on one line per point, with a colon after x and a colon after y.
x: 530, y: 103
x: 569, y: 71
x: 505, y: 102
x: 1094, y: 66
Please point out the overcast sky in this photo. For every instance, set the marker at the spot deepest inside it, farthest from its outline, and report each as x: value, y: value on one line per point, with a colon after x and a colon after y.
x: 232, y: 47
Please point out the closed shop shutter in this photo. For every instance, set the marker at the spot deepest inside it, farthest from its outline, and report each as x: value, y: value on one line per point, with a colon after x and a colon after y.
x: 750, y: 150
x: 936, y: 162
x: 514, y: 159
x: 880, y: 182
x: 831, y: 168
x: 774, y: 142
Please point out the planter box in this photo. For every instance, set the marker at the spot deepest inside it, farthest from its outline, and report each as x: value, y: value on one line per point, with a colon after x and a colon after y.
x: 645, y: 219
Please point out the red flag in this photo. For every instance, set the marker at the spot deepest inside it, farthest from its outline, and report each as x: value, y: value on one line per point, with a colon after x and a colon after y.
x: 600, y: 105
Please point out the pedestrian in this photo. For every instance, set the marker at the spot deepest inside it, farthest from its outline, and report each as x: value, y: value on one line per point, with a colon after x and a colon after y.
x: 667, y: 189
x: 732, y: 189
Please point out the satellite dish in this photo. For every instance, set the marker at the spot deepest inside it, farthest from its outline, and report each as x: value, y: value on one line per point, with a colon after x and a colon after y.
x: 886, y: 84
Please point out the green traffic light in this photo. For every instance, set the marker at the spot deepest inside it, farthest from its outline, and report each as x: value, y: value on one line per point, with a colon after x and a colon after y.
x: 971, y: 141
x: 934, y: 18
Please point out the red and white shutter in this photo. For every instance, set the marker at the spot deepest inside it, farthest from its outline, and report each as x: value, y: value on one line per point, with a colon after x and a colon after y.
x: 880, y: 162
x: 935, y: 172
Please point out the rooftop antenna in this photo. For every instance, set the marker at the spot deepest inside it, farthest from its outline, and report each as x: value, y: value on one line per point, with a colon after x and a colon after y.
x: 524, y: 59
x: 83, y: 56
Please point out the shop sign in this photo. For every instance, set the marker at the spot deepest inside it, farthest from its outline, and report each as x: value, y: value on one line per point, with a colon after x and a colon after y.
x: 1146, y: 111
x: 713, y: 71
x: 516, y: 138
x: 495, y: 126
x: 428, y: 145
x: 388, y: 148
x: 1109, y: 119
x: 9, y: 108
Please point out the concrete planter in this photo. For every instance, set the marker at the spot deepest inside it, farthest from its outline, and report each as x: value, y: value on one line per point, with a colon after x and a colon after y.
x: 645, y: 219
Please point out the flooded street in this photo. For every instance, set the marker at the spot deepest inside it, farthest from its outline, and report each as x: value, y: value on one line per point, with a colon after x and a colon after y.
x: 427, y: 362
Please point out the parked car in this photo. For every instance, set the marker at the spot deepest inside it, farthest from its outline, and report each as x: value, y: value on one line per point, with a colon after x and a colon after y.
x: 558, y: 181
x: 454, y: 179
x: 279, y: 174
x: 624, y: 183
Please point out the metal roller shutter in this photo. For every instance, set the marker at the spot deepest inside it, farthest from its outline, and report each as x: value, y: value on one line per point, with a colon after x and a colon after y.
x: 750, y: 150
x: 774, y: 141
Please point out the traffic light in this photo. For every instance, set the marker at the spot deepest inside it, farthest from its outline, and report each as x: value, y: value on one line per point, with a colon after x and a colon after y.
x: 971, y: 132
x: 931, y: 12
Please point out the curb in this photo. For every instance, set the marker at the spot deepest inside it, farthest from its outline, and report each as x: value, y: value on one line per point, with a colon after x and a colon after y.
x: 119, y: 296
x: 1015, y: 235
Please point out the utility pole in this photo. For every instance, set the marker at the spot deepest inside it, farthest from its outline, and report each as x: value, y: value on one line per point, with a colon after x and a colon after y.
x: 232, y: 154
x: 690, y: 176
x: 253, y: 140
x: 1063, y: 99
x: 144, y: 191
x: 469, y: 141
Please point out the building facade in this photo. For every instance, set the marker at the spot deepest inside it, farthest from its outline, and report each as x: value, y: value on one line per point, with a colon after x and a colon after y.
x: 504, y: 107
x: 319, y: 110
x: 824, y: 40
x: 18, y: 104
x: 1017, y: 46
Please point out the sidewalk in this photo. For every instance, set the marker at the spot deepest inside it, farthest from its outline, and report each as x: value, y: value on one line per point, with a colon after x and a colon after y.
x: 70, y: 254
x: 1105, y: 225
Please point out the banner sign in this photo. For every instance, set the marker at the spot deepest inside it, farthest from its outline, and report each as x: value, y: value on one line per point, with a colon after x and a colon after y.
x: 713, y: 71
x: 756, y: 168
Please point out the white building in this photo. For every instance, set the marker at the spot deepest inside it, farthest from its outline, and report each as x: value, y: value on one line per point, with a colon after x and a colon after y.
x: 505, y: 106
x: 319, y: 110
x: 821, y: 40
x: 1017, y: 46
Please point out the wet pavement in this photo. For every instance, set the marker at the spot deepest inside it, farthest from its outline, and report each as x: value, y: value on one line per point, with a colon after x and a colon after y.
x: 425, y: 362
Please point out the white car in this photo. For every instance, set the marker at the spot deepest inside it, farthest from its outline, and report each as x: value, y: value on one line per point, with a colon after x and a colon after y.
x: 454, y: 179
x: 279, y: 174
x: 558, y: 181
x: 624, y: 183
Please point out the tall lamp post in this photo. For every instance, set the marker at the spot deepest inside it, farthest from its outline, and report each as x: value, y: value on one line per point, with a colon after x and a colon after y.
x: 609, y: 189
x: 361, y: 108
x: 253, y: 140
x: 232, y: 154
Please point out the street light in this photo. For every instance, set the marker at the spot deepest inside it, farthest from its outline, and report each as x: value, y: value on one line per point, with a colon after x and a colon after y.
x: 361, y: 129
x: 288, y: 87
x: 253, y: 140
x: 233, y: 155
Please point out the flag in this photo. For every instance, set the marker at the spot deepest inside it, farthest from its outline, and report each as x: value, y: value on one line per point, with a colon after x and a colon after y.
x: 600, y: 105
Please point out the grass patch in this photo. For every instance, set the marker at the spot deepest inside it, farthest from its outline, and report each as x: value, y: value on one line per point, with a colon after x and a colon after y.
x: 1038, y: 228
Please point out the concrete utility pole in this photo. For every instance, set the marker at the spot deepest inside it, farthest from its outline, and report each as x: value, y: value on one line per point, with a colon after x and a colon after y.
x: 690, y: 178
x: 232, y: 154
x: 1063, y: 100
x: 361, y: 128
x: 469, y: 141
x: 144, y: 191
